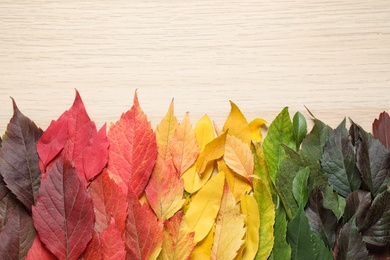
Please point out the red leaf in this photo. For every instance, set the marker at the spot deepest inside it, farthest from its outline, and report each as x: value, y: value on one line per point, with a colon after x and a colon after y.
x: 19, y: 158
x: 94, y: 248
x: 132, y: 151
x: 113, y: 246
x: 381, y: 129
x: 84, y: 146
x: 144, y: 233
x: 64, y: 214
x: 109, y: 202
x: 17, y: 235
x: 39, y: 251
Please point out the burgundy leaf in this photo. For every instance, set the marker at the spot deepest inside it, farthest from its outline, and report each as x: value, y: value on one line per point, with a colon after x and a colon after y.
x: 94, y: 248
x: 19, y: 158
x: 381, y: 129
x: 64, y: 214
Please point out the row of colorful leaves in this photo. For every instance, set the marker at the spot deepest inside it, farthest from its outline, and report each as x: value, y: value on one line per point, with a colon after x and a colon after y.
x: 72, y: 192
x: 177, y: 151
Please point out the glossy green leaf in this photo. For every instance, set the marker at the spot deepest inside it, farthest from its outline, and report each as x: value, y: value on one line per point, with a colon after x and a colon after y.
x: 300, y: 128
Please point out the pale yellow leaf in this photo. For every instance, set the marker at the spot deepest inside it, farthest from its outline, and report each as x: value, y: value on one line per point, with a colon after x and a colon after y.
x: 238, y: 156
x: 250, y: 208
x: 237, y: 184
x: 255, y: 126
x: 210, y: 153
x: 229, y: 228
x: 164, y: 133
x: 204, y: 207
x: 184, y: 147
x: 237, y: 124
x: 204, y: 131
x: 202, y: 250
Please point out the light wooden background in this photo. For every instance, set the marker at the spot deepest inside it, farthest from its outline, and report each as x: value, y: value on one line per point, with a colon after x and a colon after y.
x: 332, y: 56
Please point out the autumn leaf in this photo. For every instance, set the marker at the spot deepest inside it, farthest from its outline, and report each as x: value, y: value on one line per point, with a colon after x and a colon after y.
x: 238, y: 156
x: 184, y: 147
x: 229, y: 229
x: 109, y: 203
x: 94, y: 248
x: 178, y: 240
x: 381, y: 129
x: 237, y: 125
x: 250, y: 209
x: 165, y: 132
x: 113, y: 246
x: 19, y: 158
x: 144, y: 232
x: 165, y: 190
x: 8, y: 202
x: 202, y: 249
x: 261, y: 167
x: 211, y: 152
x: 204, y: 207
x: 255, y: 126
x: 132, y: 151
x: 39, y: 251
x: 64, y: 212
x: 204, y: 134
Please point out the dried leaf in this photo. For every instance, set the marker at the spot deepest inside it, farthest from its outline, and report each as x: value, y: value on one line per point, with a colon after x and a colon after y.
x: 255, y: 126
x: 94, y: 248
x: 229, y: 228
x: 250, y: 209
x: 381, y: 129
x: 19, y: 158
x: 184, y: 147
x: 211, y: 152
x: 237, y: 124
x: 202, y: 249
x: 165, y: 132
x: 132, y: 151
x: 204, y: 208
x: 113, y: 246
x: 64, y: 212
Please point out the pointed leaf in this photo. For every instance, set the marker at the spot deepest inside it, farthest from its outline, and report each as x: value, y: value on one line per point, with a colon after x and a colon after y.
x: 205, y: 206
x: 350, y: 243
x: 8, y: 202
x: 334, y: 202
x: 238, y: 156
x: 267, y: 221
x: 237, y: 125
x: 19, y: 158
x: 211, y: 152
x: 255, y: 127
x: 261, y: 168
x: 39, y: 251
x: 280, y: 250
x: 109, y: 203
x: 381, y: 129
x: 165, y: 132
x: 132, y: 150
x: 300, y: 128
x: 178, y: 240
x: 357, y: 204
x: 64, y: 212
x: 113, y: 247
x: 17, y: 235
x: 339, y: 162
x: 250, y: 209
x: 204, y: 134
x: 144, y: 232
x: 304, y: 243
x: 229, y: 228
x: 280, y: 132
x: 184, y: 147
x: 165, y: 190
x: 94, y: 248
x: 299, y: 187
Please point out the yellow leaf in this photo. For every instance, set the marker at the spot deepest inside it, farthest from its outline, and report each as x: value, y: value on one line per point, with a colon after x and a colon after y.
x: 217, y: 129
x: 267, y: 218
x: 204, y: 208
x: 237, y: 184
x: 211, y: 152
x: 250, y: 208
x: 255, y: 127
x: 202, y: 250
x: 261, y: 168
x: 238, y: 156
x: 184, y: 147
x: 237, y: 124
x: 204, y: 133
x: 229, y: 228
x: 164, y: 133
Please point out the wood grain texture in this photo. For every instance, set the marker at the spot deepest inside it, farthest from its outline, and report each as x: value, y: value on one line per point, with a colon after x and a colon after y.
x: 332, y: 56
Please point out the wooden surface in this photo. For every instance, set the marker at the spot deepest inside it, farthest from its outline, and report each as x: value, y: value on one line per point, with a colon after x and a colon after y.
x: 332, y: 56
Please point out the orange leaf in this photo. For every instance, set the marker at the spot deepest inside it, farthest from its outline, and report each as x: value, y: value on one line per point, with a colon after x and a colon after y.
x: 229, y: 228
x: 164, y: 133
x: 184, y: 147
x: 211, y: 152
x: 132, y: 151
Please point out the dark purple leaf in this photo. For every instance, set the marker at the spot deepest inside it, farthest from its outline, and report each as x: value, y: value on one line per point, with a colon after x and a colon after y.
x: 357, y: 204
x: 19, y: 158
x: 381, y: 129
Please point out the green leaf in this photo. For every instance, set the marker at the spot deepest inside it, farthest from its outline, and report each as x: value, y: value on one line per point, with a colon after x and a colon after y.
x: 373, y: 160
x: 282, y: 249
x: 321, y: 220
x: 350, y: 243
x: 338, y: 161
x: 300, y: 189
x: 279, y: 132
x: 334, y: 202
x: 300, y: 128
x: 305, y: 244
